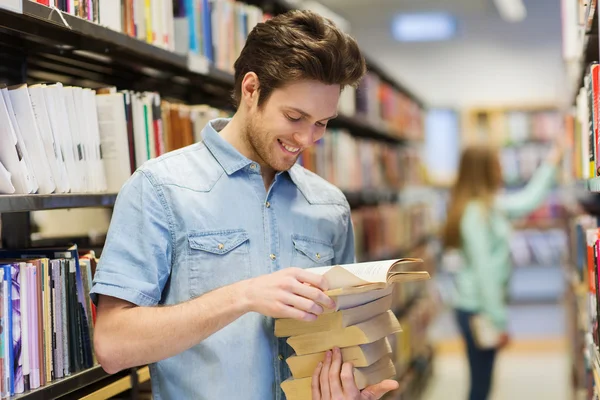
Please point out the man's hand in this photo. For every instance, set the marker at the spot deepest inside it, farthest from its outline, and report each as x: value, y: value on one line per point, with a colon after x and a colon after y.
x: 332, y: 381
x: 289, y: 293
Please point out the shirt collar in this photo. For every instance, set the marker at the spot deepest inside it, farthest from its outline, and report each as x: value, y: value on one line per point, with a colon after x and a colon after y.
x: 228, y: 156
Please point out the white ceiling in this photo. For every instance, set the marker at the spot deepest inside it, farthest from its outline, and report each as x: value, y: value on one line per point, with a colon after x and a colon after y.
x: 490, y: 62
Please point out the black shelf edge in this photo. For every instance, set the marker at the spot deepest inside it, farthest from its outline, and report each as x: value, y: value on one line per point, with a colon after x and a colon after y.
x: 361, y: 128
x: 65, y: 386
x: 366, y: 198
x: 36, y: 202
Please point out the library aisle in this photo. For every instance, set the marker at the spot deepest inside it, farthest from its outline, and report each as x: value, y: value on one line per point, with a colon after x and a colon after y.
x: 466, y: 154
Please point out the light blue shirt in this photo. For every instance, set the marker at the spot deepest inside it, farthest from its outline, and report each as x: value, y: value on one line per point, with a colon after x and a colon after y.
x: 200, y: 218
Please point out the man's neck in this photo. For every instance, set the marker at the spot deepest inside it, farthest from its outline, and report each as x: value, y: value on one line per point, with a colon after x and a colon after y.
x: 233, y: 133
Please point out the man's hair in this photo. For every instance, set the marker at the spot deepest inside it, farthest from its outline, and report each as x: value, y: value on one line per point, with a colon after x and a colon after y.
x: 295, y: 46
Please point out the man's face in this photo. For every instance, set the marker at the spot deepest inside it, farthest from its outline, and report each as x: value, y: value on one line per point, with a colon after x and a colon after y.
x: 291, y: 120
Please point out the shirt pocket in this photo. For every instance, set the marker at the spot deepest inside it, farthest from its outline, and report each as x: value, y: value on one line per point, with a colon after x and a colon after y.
x: 217, y: 258
x: 311, y: 252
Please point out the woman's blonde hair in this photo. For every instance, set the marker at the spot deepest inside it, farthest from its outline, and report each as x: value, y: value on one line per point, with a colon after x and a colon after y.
x: 479, y: 178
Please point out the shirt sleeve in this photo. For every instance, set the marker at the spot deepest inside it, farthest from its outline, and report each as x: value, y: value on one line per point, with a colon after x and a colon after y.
x: 136, y: 260
x: 344, y: 250
x: 528, y: 199
x: 477, y: 245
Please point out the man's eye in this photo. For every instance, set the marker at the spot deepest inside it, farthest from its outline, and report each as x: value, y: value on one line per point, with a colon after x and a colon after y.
x: 292, y: 118
x: 321, y: 124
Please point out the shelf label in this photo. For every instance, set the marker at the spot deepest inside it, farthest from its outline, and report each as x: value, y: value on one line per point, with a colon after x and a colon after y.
x: 12, y: 5
x: 197, y: 63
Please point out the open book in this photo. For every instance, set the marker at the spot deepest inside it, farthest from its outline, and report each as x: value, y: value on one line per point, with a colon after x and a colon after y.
x: 363, y: 277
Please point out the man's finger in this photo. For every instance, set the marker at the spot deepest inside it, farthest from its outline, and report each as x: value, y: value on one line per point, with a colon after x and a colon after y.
x: 314, y: 294
x: 324, y: 377
x: 302, y: 303
x: 375, y: 392
x: 334, y: 375
x: 315, y: 280
x: 286, y: 311
x: 348, y: 383
x: 314, y: 384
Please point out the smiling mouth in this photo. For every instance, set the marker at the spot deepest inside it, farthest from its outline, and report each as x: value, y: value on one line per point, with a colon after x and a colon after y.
x: 288, y: 148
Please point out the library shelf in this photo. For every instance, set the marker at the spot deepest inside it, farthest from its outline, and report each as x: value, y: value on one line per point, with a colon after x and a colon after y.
x: 66, y: 385
x: 594, y: 184
x: 35, y: 202
x: 82, y: 52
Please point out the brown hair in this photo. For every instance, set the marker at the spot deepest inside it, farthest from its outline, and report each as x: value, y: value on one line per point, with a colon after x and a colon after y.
x: 298, y: 45
x: 479, y: 178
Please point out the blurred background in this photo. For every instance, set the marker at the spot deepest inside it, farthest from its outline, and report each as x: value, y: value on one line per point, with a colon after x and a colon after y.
x: 516, y: 74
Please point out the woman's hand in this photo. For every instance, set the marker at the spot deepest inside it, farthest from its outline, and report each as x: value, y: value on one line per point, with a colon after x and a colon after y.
x: 334, y: 381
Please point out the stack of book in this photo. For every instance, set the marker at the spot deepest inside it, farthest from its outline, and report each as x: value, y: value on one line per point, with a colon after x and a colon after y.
x: 361, y: 325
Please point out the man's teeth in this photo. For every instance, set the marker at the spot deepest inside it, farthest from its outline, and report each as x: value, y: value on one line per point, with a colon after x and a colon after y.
x: 290, y: 148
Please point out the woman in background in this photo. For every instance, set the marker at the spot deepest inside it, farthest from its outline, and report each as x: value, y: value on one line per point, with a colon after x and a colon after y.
x: 478, y: 225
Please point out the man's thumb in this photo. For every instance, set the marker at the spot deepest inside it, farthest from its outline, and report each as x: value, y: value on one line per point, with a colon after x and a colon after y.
x: 375, y: 392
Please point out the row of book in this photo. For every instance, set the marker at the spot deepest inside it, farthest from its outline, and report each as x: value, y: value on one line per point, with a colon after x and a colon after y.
x: 46, y: 317
x: 382, y: 231
x: 216, y: 30
x: 583, y: 126
x: 359, y: 164
x: 524, y: 126
x: 520, y: 163
x: 531, y: 247
x: 63, y: 139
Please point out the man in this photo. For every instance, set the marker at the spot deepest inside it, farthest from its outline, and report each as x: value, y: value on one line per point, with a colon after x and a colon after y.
x: 196, y: 260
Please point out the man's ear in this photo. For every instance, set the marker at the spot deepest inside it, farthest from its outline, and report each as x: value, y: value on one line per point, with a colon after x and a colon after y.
x: 250, y: 89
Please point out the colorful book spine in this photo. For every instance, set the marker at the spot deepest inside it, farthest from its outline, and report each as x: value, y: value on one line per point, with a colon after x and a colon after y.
x: 19, y: 385
x: 32, y: 320
x: 7, y: 348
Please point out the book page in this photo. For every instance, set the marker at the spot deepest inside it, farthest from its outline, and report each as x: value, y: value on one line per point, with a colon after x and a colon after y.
x: 347, y: 275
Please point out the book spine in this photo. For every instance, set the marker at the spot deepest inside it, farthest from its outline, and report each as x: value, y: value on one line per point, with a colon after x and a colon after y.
x: 19, y: 384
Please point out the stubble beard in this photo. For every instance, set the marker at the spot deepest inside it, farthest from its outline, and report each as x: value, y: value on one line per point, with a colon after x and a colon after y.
x: 258, y: 140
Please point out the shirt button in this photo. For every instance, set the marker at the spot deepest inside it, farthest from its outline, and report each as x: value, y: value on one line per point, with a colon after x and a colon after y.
x: 220, y: 246
x: 318, y: 256
x: 272, y: 256
x: 268, y: 205
x: 280, y: 357
x: 253, y: 166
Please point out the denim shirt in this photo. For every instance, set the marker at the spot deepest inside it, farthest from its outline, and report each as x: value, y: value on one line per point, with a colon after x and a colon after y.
x: 199, y: 218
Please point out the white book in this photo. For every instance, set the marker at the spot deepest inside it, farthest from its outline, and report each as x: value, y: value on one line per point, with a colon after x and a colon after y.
x: 6, y: 186
x: 31, y: 179
x: 59, y: 119
x: 51, y: 146
x: 139, y: 131
x: 75, y: 107
x: 113, y: 139
x: 19, y: 97
x: 78, y: 154
x: 11, y: 155
x: 92, y: 111
x: 169, y: 24
x: 110, y: 14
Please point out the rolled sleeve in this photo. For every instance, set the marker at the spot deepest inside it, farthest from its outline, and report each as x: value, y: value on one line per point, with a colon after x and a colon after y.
x: 136, y: 260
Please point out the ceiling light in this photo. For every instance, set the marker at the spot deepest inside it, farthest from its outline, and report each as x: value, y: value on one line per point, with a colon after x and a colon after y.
x: 421, y: 27
x: 511, y: 10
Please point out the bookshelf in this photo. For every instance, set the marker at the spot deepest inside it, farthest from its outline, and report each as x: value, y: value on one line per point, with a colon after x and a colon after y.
x: 41, y: 44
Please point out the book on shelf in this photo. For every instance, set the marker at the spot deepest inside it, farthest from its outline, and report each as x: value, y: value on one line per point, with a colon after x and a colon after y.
x: 46, y: 316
